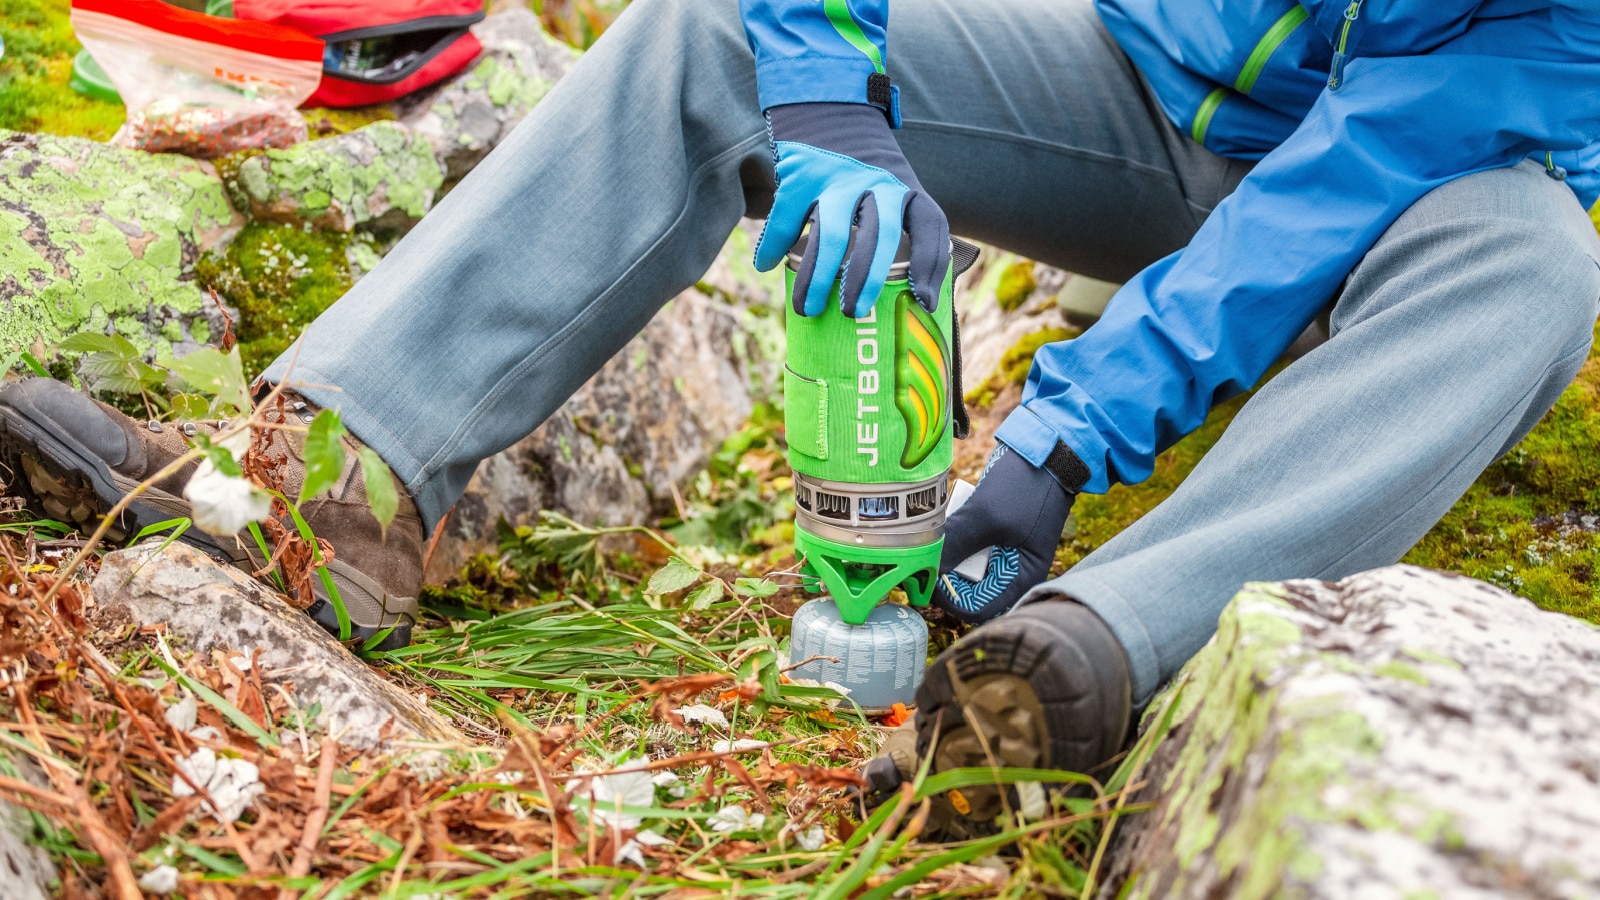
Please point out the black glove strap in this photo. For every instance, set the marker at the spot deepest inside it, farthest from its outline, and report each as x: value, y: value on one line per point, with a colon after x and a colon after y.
x: 1069, y: 471
x: 962, y: 256
x: 882, y: 93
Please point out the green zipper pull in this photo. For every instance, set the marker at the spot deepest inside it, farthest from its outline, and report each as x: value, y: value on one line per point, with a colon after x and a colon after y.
x: 1559, y: 173
x: 1336, y: 72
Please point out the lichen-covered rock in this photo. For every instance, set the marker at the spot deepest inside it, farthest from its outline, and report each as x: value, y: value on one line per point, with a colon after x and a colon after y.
x: 381, y: 175
x: 1083, y: 299
x: 1003, y: 299
x: 99, y: 239
x: 26, y: 871
x: 758, y: 298
x: 614, y: 453
x: 1403, y: 733
x: 473, y: 113
x: 206, y: 605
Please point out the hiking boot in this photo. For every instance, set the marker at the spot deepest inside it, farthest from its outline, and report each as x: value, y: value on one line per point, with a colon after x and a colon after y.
x: 1046, y: 686
x: 73, y: 458
x: 895, y: 764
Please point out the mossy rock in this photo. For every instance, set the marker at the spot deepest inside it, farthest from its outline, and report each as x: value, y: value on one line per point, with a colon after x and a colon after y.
x: 379, y: 175
x: 1015, y: 363
x: 104, y: 240
x: 281, y: 277
x: 1016, y: 284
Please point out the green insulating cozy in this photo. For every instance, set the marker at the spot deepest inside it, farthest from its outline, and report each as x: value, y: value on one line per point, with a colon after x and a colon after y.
x: 867, y: 413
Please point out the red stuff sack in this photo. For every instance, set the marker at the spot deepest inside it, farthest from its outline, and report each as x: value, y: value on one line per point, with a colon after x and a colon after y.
x: 378, y: 50
x: 196, y: 84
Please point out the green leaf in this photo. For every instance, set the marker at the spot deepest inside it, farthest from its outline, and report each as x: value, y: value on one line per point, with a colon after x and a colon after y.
x: 190, y: 406
x: 754, y: 587
x: 324, y: 454
x: 112, y: 363
x: 178, y: 526
x: 381, y: 495
x: 220, y: 456
x: 706, y: 594
x: 87, y: 342
x: 34, y: 365
x: 674, y: 576
x: 213, y: 373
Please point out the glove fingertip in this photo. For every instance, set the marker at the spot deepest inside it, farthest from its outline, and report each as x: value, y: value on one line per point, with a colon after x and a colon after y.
x: 930, y: 248
x: 777, y: 237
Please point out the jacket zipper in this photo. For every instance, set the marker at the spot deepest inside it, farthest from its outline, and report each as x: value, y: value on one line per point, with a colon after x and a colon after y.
x: 429, y: 23
x: 457, y: 27
x: 1336, y: 71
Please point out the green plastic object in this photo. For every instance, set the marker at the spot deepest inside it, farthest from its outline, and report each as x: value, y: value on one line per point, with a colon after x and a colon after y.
x: 858, y: 578
x: 868, y: 402
x: 90, y: 80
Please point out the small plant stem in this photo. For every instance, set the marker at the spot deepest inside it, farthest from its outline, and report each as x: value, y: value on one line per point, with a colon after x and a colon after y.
x: 311, y: 835
x: 24, y: 789
x: 1141, y: 756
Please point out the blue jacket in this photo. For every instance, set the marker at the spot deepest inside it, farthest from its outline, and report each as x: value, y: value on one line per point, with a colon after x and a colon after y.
x: 1423, y: 92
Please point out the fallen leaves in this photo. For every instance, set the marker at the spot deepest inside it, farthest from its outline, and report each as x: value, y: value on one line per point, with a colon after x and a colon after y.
x: 202, y: 757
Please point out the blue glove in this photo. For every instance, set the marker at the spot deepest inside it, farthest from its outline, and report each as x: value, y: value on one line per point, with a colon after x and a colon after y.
x: 1019, y: 511
x: 839, y: 165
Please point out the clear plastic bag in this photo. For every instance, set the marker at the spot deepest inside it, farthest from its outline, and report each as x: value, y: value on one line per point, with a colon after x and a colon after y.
x: 198, y: 84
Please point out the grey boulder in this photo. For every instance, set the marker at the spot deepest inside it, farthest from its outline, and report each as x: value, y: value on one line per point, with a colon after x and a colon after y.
x: 471, y: 114
x: 616, y: 451
x: 207, y: 605
x: 1402, y: 733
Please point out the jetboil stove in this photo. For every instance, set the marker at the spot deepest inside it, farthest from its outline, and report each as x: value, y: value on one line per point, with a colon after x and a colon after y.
x: 871, y: 407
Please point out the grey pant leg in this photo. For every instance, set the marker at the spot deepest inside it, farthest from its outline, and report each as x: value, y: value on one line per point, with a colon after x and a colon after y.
x: 1453, y: 336
x: 611, y: 197
x: 1024, y: 120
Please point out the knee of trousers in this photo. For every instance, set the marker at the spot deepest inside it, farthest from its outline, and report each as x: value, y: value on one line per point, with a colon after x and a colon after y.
x: 682, y: 22
x: 1507, y: 250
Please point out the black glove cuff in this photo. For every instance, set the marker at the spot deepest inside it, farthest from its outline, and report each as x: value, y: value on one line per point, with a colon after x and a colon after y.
x: 1070, y: 472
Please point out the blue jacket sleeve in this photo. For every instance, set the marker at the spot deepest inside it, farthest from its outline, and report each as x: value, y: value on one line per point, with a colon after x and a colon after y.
x: 1205, y: 323
x: 815, y: 51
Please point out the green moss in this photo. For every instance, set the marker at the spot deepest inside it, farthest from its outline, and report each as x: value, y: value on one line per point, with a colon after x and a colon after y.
x: 324, y: 122
x: 1401, y: 671
x: 1016, y: 285
x: 281, y: 277
x: 34, y: 96
x: 1015, y: 363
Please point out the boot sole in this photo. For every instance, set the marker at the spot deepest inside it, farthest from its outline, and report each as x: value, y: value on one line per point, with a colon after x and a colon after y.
x: 62, y: 481
x: 1017, y: 692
